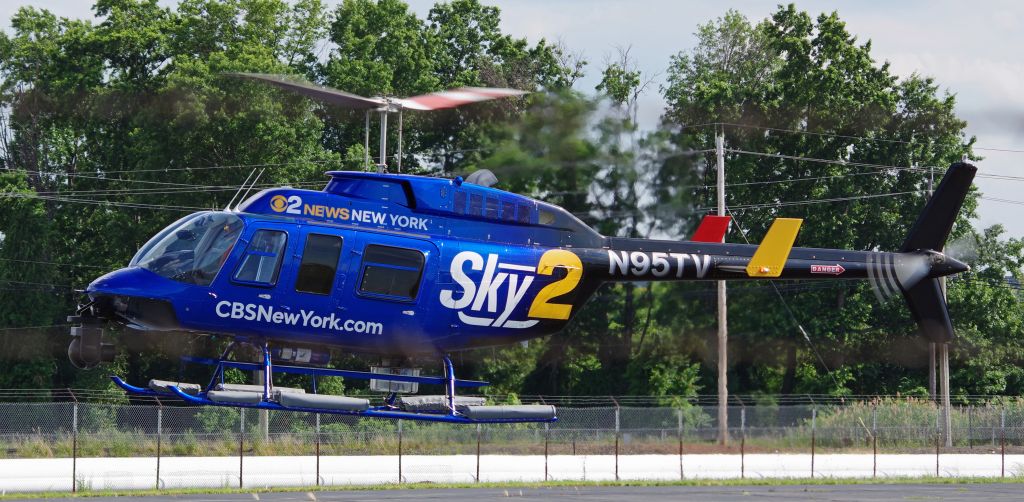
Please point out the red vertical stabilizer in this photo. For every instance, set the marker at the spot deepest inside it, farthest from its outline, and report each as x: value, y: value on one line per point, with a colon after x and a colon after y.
x: 712, y: 229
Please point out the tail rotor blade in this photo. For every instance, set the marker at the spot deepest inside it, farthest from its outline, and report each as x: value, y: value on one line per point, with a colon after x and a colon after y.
x: 928, y: 307
x: 932, y: 228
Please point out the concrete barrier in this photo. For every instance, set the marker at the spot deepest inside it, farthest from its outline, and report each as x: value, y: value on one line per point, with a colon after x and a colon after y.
x: 24, y: 475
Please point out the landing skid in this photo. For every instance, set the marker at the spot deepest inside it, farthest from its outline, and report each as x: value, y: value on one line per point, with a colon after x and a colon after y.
x: 268, y: 397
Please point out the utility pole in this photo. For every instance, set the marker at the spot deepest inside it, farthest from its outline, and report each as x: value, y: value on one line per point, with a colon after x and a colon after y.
x: 932, y: 391
x: 723, y: 328
x: 264, y: 415
x: 947, y: 424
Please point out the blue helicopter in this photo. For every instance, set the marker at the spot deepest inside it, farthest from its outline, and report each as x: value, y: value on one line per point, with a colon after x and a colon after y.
x: 401, y: 266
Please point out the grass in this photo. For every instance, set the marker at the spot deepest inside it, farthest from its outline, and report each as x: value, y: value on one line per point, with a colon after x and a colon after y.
x: 137, y: 444
x: 548, y: 484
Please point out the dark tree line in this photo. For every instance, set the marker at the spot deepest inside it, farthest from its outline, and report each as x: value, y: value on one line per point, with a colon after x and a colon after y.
x: 115, y: 126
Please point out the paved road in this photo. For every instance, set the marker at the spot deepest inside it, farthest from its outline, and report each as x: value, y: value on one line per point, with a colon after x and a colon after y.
x: 839, y: 493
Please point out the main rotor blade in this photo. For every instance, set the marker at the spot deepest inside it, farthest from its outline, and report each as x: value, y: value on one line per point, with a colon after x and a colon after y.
x: 457, y: 97
x: 325, y: 94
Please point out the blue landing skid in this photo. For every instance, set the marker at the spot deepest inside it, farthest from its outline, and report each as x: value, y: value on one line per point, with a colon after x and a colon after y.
x: 373, y: 412
x: 453, y: 414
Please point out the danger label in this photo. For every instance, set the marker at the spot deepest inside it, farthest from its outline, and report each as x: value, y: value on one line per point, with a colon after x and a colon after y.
x: 827, y: 269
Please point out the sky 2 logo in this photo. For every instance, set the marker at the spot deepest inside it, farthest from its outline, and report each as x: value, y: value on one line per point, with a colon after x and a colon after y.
x: 481, y: 299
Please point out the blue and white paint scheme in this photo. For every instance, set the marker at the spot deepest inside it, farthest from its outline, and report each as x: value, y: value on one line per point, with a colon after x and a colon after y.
x: 402, y: 265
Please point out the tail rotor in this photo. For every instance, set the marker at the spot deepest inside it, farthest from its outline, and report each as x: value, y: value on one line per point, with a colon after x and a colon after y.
x: 916, y: 269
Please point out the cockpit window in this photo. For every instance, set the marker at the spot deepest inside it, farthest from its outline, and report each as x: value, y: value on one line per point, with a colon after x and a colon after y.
x: 192, y: 249
x: 262, y: 262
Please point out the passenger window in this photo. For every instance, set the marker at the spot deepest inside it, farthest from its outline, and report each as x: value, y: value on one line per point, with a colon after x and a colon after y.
x: 319, y: 263
x: 492, y: 208
x: 524, y: 213
x: 262, y: 261
x: 460, y: 202
x: 476, y: 204
x: 390, y: 271
x: 508, y: 211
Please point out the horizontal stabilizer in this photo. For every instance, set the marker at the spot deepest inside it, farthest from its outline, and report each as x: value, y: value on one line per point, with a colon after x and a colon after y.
x: 712, y: 229
x: 928, y: 308
x: 771, y: 255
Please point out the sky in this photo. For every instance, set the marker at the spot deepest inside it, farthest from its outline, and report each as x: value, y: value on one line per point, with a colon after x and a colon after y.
x: 972, y: 49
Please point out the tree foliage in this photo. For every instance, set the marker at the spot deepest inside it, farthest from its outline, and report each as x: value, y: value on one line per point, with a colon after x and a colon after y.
x: 113, y: 127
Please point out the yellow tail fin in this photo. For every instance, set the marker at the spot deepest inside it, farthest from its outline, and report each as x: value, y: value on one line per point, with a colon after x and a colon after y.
x: 771, y: 255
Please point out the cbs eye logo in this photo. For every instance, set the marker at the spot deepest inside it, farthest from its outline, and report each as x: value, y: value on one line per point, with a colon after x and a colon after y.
x: 280, y: 204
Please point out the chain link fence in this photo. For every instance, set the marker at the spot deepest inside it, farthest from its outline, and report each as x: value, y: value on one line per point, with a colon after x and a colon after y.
x: 161, y: 432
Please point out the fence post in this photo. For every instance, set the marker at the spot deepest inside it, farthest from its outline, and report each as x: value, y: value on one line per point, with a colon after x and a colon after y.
x: 399, y: 451
x: 939, y: 414
x: 814, y: 426
x: 547, y: 435
x: 743, y: 442
x: 970, y: 426
x: 242, y: 434
x: 1002, y: 441
x: 317, y: 446
x: 74, y: 445
x: 616, y: 441
x: 159, y: 438
x: 478, y: 455
x: 679, y: 431
x: 874, y: 441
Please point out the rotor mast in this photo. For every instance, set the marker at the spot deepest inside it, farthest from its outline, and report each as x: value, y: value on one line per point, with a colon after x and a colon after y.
x: 390, y: 106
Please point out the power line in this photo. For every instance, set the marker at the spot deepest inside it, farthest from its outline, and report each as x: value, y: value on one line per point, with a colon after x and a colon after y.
x: 175, y: 169
x: 35, y: 327
x: 811, y: 201
x: 103, y: 202
x: 859, y: 138
x: 827, y: 161
x: 51, y: 263
x: 165, y: 191
x: 861, y: 164
x: 1004, y: 201
x: 28, y: 283
x: 792, y: 315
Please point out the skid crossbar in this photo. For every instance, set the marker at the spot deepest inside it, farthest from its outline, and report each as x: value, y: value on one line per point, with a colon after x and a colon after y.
x: 319, y: 372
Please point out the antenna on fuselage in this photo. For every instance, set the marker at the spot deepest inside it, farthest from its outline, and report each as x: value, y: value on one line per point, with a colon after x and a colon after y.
x: 240, y: 188
x: 383, y: 105
x: 250, y: 186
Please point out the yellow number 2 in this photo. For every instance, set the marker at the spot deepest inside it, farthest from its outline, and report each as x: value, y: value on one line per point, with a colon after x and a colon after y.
x: 568, y: 260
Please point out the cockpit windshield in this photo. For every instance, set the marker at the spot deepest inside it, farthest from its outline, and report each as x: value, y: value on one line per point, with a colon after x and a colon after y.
x: 192, y: 249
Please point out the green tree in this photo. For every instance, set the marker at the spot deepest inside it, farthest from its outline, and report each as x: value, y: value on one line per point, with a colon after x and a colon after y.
x: 383, y: 49
x: 113, y: 128
x: 794, y: 73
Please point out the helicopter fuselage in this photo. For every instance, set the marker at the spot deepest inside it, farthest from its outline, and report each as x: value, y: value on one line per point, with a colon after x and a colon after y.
x: 401, y: 265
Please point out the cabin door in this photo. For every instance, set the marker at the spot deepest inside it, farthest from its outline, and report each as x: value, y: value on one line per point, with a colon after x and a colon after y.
x: 386, y: 294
